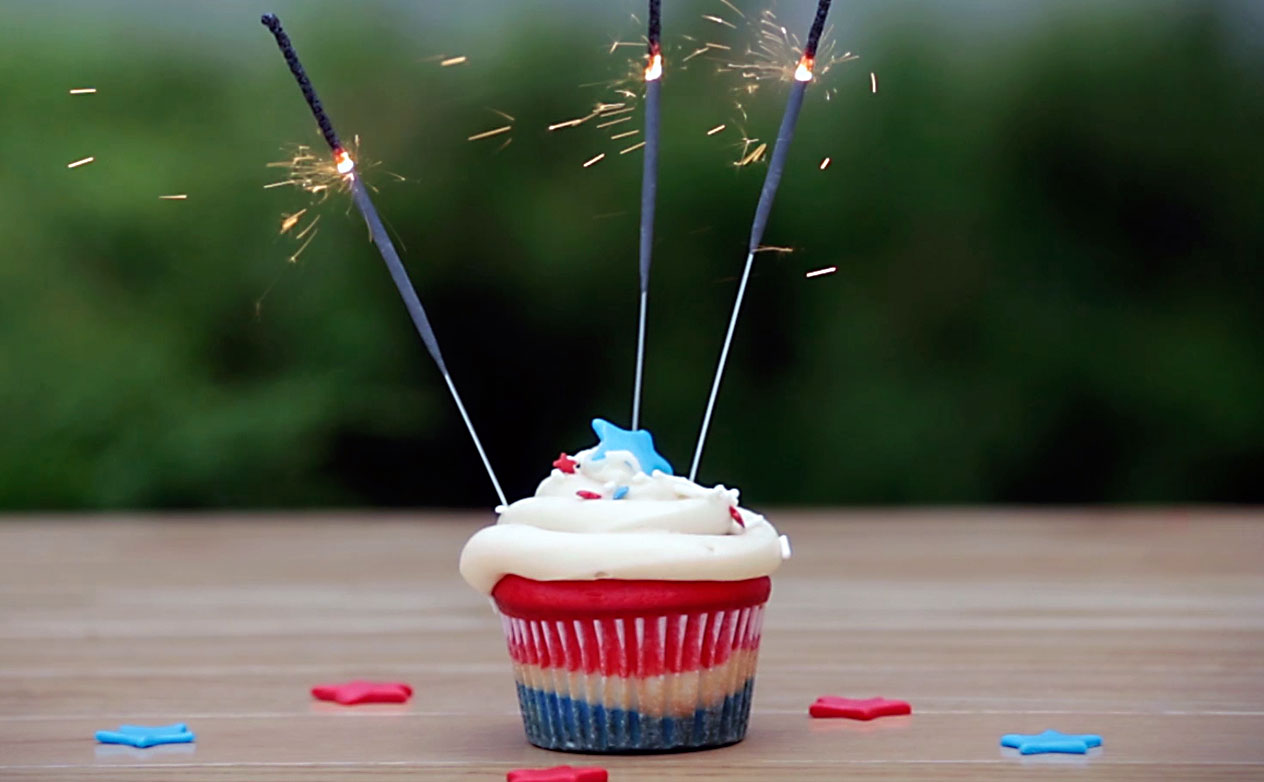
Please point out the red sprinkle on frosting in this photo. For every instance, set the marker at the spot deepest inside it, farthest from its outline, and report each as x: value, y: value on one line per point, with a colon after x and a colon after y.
x: 588, y: 495
x: 565, y: 463
x: 737, y: 516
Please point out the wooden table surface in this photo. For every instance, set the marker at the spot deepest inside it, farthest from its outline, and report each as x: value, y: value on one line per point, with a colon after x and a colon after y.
x: 1145, y: 627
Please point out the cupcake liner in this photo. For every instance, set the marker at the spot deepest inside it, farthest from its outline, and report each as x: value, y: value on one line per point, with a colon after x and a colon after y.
x: 640, y: 681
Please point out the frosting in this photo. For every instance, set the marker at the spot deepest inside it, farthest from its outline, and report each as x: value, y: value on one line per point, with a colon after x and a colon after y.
x: 600, y: 514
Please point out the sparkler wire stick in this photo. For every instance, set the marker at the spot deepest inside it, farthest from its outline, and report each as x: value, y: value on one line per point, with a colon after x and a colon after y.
x: 649, y: 188
x: 378, y: 234
x: 776, y: 166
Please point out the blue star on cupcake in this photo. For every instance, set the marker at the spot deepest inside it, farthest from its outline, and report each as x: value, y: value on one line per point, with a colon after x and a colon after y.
x: 638, y: 441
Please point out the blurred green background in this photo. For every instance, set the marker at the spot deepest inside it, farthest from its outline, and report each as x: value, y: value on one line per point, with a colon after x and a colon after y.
x: 1046, y: 223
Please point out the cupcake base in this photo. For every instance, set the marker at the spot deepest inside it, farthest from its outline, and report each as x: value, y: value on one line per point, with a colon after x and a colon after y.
x: 633, y: 666
x: 570, y: 725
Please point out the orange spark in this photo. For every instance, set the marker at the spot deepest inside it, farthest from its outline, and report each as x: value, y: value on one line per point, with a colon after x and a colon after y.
x: 83, y: 91
x: 174, y: 197
x: 490, y: 133
x: 82, y: 162
x: 625, y: 134
x: 873, y: 82
x: 825, y: 163
x: 820, y: 272
x: 716, y: 129
x: 598, y: 110
x: 453, y: 61
x: 753, y: 157
x: 593, y: 160
x: 289, y: 221
x: 631, y: 148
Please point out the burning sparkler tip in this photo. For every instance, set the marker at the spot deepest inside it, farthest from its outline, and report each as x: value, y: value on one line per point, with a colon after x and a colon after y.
x: 804, y: 70
x: 343, y: 162
x: 654, y: 70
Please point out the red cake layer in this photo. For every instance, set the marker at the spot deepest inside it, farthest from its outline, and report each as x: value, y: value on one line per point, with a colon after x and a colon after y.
x: 528, y: 599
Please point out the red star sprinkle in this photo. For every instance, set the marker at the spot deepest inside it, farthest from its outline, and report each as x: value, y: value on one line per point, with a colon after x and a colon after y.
x: 351, y: 693
x: 737, y: 516
x: 565, y: 463
x: 558, y: 774
x: 584, y: 494
x: 867, y: 709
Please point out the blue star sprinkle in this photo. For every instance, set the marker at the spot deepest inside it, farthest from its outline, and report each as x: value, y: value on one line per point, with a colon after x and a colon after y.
x: 1051, y: 741
x: 638, y: 441
x: 620, y: 492
x: 146, y: 735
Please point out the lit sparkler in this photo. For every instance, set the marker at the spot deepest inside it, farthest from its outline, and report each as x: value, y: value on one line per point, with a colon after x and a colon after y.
x: 649, y: 187
x: 345, y: 166
x: 771, y: 55
x: 803, y: 75
x: 774, y: 51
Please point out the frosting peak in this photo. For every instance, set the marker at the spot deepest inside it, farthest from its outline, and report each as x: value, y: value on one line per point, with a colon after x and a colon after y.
x: 616, y: 511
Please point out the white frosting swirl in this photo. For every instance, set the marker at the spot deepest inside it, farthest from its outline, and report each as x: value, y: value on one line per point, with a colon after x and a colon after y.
x: 662, y: 527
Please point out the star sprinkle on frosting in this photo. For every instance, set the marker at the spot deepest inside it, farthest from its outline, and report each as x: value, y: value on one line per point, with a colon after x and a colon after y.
x: 639, y: 442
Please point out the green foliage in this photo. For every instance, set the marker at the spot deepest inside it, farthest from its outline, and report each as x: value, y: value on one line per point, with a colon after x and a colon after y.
x: 1048, y: 245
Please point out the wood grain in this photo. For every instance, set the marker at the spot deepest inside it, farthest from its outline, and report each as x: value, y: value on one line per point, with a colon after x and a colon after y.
x: 1146, y: 627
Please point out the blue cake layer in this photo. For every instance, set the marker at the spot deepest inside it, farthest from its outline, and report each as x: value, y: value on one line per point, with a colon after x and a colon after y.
x: 560, y: 722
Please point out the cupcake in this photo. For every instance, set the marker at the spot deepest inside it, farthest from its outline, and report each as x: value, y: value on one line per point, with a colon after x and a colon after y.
x: 631, y: 599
